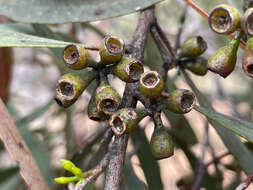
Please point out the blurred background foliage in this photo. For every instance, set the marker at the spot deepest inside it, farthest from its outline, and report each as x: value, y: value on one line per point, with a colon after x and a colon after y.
x: 52, y: 133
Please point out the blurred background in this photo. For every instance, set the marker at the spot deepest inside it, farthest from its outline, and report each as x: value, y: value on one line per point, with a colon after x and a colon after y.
x: 27, y: 84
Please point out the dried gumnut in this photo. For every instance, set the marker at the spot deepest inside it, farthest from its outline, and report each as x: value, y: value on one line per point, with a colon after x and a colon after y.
x: 151, y: 84
x: 194, y: 47
x: 112, y: 50
x: 224, y: 19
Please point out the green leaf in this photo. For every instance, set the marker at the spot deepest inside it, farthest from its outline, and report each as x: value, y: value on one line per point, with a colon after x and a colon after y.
x: 54, y: 11
x: 233, y: 143
x: 238, y: 126
x: 11, y: 36
x: 148, y: 163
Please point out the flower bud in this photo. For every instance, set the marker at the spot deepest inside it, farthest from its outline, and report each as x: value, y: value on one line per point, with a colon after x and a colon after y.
x: 70, y: 166
x: 75, y: 57
x: 194, y: 47
x: 111, y: 50
x: 151, y: 84
x: 128, y: 69
x: 125, y: 119
x: 223, y: 60
x: 198, y: 65
x: 70, y: 86
x: 161, y: 143
x: 224, y: 19
x: 247, y: 22
x: 65, y: 180
x: 179, y: 101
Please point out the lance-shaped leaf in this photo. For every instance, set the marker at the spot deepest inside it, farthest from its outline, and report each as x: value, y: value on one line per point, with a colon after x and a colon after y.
x: 54, y: 11
x: 235, y: 146
x: 238, y: 126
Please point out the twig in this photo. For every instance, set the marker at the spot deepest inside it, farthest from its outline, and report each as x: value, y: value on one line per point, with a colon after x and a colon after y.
x: 95, y: 172
x: 246, y: 183
x: 19, y: 152
x: 167, y: 59
x: 180, y: 29
x: 113, y: 173
x: 164, y: 38
x: 201, y: 167
x: 217, y: 159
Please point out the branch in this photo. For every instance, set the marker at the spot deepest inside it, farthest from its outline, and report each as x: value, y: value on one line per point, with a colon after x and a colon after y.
x: 246, y: 183
x: 117, y: 155
x: 19, y: 152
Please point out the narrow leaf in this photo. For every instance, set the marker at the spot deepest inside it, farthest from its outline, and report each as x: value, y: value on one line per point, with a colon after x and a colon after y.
x: 54, y: 11
x: 233, y: 143
x: 238, y: 126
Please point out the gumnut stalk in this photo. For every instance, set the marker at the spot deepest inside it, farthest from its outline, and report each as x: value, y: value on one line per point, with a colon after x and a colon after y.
x: 247, y: 60
x: 197, y: 65
x: 125, y: 119
x: 111, y: 50
x: 70, y: 86
x: 128, y: 69
x: 223, y: 60
x: 224, y: 19
x: 161, y: 143
x: 193, y: 47
x: 75, y: 57
x: 151, y: 84
x: 179, y: 101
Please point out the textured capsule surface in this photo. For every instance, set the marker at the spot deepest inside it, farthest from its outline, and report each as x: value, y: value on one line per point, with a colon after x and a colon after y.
x: 247, y: 63
x: 151, y: 84
x: 128, y: 69
x: 224, y: 19
x: 111, y: 50
x: 198, y: 66
x: 75, y: 57
x: 194, y: 46
x: 247, y: 22
x: 161, y: 144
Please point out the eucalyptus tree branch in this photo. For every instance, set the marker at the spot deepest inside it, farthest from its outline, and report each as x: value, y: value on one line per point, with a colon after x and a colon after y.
x: 117, y: 155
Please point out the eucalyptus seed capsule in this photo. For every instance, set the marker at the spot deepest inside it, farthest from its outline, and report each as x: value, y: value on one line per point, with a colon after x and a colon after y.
x: 198, y: 65
x: 128, y: 69
x: 247, y: 63
x: 70, y: 86
x: 180, y: 101
x: 247, y: 22
x: 151, y: 84
x: 161, y: 143
x: 70, y: 166
x: 107, y: 98
x: 111, y: 50
x: 224, y: 19
x: 223, y: 60
x: 194, y: 47
x: 75, y: 57
x: 125, y: 119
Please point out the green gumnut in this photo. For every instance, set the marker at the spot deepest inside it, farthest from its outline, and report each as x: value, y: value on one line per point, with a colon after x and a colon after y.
x: 70, y: 86
x: 223, y: 60
x: 180, y: 101
x: 161, y: 143
x: 111, y: 50
x: 65, y: 180
x: 70, y: 166
x: 128, y: 69
x: 194, y: 47
x: 125, y: 119
x: 197, y: 66
x: 151, y: 84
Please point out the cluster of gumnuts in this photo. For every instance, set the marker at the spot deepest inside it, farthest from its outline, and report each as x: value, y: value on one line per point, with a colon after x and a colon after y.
x: 225, y: 19
x: 104, y: 104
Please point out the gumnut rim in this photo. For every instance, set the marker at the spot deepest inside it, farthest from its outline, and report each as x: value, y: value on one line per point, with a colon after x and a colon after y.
x: 114, y: 45
x: 117, y: 124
